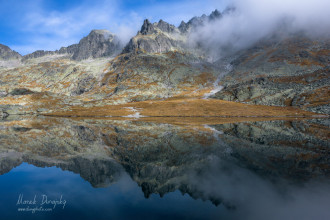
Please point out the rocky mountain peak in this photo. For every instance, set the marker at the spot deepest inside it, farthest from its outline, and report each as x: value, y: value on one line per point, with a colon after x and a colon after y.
x: 8, y: 54
x: 196, y: 22
x: 99, y: 43
x: 165, y: 27
x: 183, y: 27
x: 147, y: 28
x: 215, y: 15
x: 158, y: 37
x: 101, y: 33
x: 99, y: 36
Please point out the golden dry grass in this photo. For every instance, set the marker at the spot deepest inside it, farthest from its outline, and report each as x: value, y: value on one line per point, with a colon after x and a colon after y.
x: 185, y: 108
x: 319, y: 97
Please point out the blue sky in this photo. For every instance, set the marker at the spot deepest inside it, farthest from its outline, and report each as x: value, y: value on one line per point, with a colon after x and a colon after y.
x: 29, y: 25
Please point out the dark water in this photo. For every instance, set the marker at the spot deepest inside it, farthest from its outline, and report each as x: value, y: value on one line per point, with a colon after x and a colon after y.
x: 115, y: 169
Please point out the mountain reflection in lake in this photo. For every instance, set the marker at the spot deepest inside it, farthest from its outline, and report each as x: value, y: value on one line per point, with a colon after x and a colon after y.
x: 173, y: 169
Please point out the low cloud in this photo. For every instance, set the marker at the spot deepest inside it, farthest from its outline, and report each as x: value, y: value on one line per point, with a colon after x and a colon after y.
x: 253, y: 20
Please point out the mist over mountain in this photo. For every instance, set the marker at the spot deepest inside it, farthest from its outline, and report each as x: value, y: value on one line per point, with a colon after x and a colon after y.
x: 245, y: 23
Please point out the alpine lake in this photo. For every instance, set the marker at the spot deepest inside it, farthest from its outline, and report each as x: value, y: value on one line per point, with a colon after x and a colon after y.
x: 164, y: 168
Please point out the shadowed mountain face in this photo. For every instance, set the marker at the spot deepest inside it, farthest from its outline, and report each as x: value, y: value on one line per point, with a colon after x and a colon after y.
x: 164, y: 157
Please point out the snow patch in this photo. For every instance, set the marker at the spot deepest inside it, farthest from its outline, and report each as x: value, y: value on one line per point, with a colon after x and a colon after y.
x: 136, y: 113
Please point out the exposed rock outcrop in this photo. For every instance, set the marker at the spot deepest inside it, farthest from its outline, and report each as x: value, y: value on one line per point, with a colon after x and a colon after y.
x: 156, y: 38
x: 7, y: 54
x: 38, y: 53
x: 9, y: 58
x: 197, y: 22
x: 147, y: 28
x: 69, y: 49
x: 289, y: 72
x: 99, y: 43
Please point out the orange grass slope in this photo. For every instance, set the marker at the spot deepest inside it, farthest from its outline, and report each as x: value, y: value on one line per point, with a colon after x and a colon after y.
x: 184, y: 108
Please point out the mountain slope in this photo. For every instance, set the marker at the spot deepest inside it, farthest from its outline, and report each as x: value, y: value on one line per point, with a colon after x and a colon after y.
x: 290, y: 72
x: 159, y: 64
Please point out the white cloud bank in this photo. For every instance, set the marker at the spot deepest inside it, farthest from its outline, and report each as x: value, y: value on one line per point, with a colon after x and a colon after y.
x: 255, y: 19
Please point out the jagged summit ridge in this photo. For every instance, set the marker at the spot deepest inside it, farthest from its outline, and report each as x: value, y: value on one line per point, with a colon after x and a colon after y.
x: 147, y: 28
x: 156, y: 37
x: 8, y: 54
x: 98, y: 43
x: 162, y: 37
x: 196, y: 22
x: 153, y: 37
x: 166, y: 27
x: 161, y: 26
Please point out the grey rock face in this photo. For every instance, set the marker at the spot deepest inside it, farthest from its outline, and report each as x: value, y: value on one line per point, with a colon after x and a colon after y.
x: 160, y: 43
x: 84, y: 85
x: 8, y: 54
x: 38, y: 53
x: 70, y: 49
x: 196, y: 22
x: 99, y: 43
x: 154, y: 38
x: 147, y: 28
x: 183, y: 27
x: 166, y: 27
x: 290, y: 72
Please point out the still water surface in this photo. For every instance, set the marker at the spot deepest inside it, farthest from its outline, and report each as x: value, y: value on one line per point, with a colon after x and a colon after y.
x: 58, y: 168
